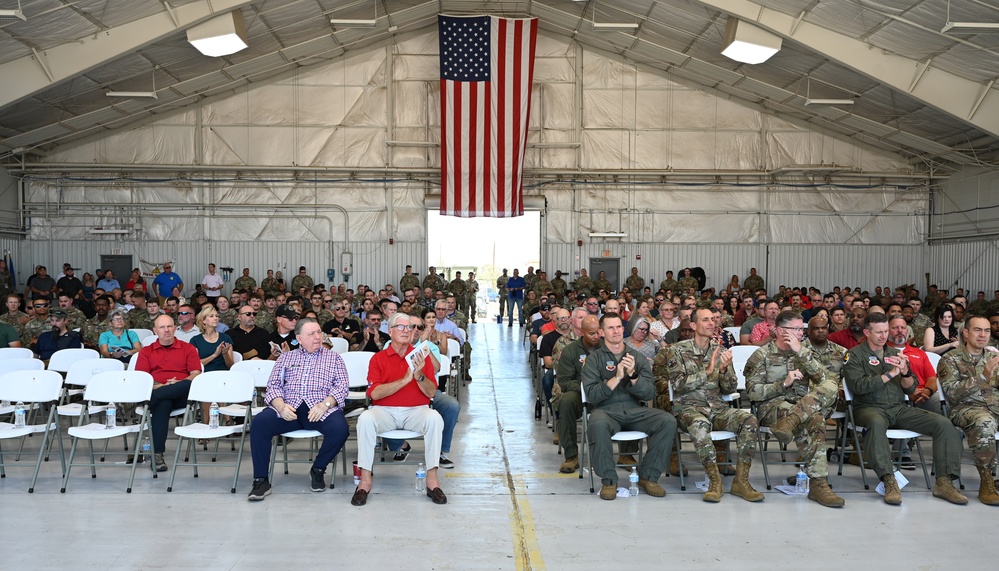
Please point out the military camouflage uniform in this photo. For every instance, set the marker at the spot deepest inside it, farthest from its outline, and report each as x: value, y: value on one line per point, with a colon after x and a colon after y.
x: 529, y: 280
x: 325, y: 315
x: 920, y: 323
x: 299, y: 281
x: 432, y: 281
x: 138, y: 319
x: 457, y: 287
x: 602, y: 285
x: 459, y: 319
x: 753, y: 283
x: 408, y: 282
x: 247, y: 283
x: 811, y: 398
x: 471, y: 301
x: 92, y: 329
x: 697, y: 402
x: 974, y: 401
x: 230, y: 317
x: 501, y: 289
x: 687, y: 283
x: 33, y: 329
x: 265, y: 320
x: 583, y: 285
x: 270, y: 285
x: 76, y: 318
x: 978, y: 307
x: 6, y: 284
x: 669, y: 284
x: 541, y: 286
x: 559, y: 287
x: 635, y: 284
x: 14, y: 320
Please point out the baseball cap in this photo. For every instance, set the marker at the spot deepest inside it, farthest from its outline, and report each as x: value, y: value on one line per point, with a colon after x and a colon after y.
x: 286, y: 311
x: 546, y: 307
x: 58, y: 314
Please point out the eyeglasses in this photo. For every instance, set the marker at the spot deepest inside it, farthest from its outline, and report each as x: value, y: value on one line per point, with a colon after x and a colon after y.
x: 440, y: 309
x: 249, y: 313
x: 798, y: 329
x: 40, y: 305
x: 644, y: 329
x: 185, y: 313
x: 339, y: 308
x: 404, y: 327
x: 420, y: 327
x: 591, y: 303
x: 660, y: 299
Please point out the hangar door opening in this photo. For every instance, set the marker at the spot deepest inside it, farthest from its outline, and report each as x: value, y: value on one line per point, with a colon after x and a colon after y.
x: 484, y: 246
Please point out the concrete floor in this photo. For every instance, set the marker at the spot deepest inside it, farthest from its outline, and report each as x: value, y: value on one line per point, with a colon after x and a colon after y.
x: 508, y: 508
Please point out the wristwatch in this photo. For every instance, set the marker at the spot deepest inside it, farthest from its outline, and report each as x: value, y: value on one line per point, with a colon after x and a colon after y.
x: 328, y: 403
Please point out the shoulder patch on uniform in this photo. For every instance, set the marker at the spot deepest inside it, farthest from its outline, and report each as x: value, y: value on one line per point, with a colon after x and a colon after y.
x: 873, y: 361
x: 672, y: 363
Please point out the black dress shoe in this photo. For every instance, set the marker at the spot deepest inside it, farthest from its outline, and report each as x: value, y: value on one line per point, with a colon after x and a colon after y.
x: 360, y: 497
x: 436, y: 495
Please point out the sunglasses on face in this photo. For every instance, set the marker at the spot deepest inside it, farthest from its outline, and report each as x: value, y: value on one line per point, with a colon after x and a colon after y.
x: 185, y: 313
x: 421, y: 327
x: 40, y: 305
x: 249, y: 313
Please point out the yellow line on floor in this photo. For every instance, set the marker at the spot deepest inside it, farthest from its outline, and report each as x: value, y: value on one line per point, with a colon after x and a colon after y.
x: 525, y: 535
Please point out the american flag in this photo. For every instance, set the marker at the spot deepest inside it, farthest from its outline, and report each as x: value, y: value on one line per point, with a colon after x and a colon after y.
x: 487, y: 66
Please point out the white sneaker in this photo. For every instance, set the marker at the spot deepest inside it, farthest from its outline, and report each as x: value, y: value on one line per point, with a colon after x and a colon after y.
x: 445, y: 462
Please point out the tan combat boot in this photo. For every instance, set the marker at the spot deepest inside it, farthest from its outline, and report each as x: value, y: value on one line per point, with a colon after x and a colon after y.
x: 608, y: 492
x: 820, y: 492
x: 783, y: 429
x: 893, y: 496
x: 570, y: 465
x: 945, y: 490
x: 715, y: 489
x: 987, y: 492
x: 651, y: 488
x: 674, y: 463
x: 741, y: 486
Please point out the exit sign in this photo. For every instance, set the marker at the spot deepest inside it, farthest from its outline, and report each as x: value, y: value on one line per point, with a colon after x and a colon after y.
x: 115, y: 251
x: 606, y: 253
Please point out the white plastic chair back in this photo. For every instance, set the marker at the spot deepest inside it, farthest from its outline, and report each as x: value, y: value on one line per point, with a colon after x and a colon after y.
x: 734, y: 331
x: 934, y: 359
x: 61, y: 360
x: 141, y: 334
x: 237, y: 357
x: 453, y: 348
x: 147, y: 341
x: 339, y: 344
x: 16, y: 353
x: 80, y: 372
x: 222, y: 386
x: 445, y: 366
x: 740, y: 356
x: 21, y: 364
x: 30, y: 386
x: 131, y: 361
x: 259, y: 370
x: 119, y: 387
x: 357, y: 367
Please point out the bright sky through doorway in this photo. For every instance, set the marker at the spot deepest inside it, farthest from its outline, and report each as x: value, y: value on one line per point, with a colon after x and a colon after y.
x: 453, y: 241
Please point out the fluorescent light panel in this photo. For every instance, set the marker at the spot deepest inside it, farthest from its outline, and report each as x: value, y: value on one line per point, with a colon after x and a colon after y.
x: 220, y: 36
x: 146, y: 94
x: 349, y: 23
x: 608, y: 235
x: 614, y: 25
x: 971, y: 28
x: 829, y: 102
x: 747, y: 43
x: 11, y: 15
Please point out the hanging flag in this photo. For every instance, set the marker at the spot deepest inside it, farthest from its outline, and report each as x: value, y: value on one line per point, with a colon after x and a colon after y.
x: 487, y: 66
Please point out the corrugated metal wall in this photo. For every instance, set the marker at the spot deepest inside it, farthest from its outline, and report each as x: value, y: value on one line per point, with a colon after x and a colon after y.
x: 374, y: 263
x: 971, y: 265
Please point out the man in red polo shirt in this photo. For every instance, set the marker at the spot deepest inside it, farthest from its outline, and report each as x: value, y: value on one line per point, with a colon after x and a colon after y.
x: 400, y: 399
x: 173, y: 364
x: 854, y: 334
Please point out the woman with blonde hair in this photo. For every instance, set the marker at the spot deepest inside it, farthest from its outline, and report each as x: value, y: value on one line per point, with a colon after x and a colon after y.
x: 214, y: 348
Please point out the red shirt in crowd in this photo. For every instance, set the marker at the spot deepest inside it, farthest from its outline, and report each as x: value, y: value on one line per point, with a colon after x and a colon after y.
x: 165, y: 362
x: 845, y: 339
x: 387, y: 366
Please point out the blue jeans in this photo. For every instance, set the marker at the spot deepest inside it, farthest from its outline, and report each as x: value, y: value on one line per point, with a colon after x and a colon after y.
x: 449, y: 408
x: 269, y: 424
x: 519, y: 303
x: 546, y: 385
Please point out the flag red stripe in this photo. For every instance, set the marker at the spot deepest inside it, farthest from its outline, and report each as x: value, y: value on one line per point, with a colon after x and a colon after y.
x: 445, y: 141
x: 499, y: 80
x: 473, y: 166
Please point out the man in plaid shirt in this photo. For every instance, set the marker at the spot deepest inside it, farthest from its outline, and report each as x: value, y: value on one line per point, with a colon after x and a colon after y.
x: 306, y: 390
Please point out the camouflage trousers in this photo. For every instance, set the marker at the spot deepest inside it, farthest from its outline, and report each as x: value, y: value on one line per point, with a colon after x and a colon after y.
x: 700, y: 422
x: 980, y: 425
x: 810, y: 436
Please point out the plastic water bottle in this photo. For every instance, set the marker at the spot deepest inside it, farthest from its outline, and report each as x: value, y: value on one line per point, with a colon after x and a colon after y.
x: 421, y: 478
x: 213, y: 416
x: 19, y: 415
x: 112, y: 414
x: 801, y: 482
x: 146, y: 449
x: 633, y: 482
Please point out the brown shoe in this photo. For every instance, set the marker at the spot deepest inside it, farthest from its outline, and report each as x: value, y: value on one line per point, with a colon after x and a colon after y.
x: 651, y: 488
x: 437, y: 496
x: 893, y: 495
x: 820, y: 492
x: 741, y: 486
x: 608, y: 492
x: 570, y: 465
x: 359, y: 498
x: 987, y: 491
x: 783, y: 429
x: 626, y: 460
x: 945, y: 490
x: 555, y: 439
x: 715, y: 489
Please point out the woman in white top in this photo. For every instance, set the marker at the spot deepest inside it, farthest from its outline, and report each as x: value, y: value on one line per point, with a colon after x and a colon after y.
x: 667, y: 321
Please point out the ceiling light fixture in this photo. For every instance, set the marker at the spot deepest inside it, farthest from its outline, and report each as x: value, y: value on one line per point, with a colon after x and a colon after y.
x: 609, y: 25
x: 968, y: 27
x: 608, y: 235
x: 220, y: 36
x: 11, y: 15
x: 823, y: 102
x: 351, y: 23
x: 747, y: 43
x: 136, y: 94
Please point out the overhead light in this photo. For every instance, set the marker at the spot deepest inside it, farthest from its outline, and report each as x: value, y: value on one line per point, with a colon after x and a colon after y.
x: 133, y: 94
x: 110, y: 230
x: 968, y: 27
x: 747, y: 43
x: 829, y: 102
x: 220, y: 36
x: 608, y: 235
x: 614, y: 25
x: 348, y: 23
x: 11, y: 15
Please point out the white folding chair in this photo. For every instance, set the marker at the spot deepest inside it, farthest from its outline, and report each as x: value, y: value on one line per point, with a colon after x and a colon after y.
x: 619, y: 437
x: 79, y: 375
x: 117, y: 387
x: 141, y: 334
x: 260, y: 370
x: 933, y: 358
x: 131, y: 362
x: 147, y: 341
x: 64, y: 358
x: 214, y: 387
x: 357, y: 378
x: 715, y: 435
x: 734, y: 331
x: 892, y: 433
x: 740, y: 356
x: 33, y: 388
x: 339, y: 344
x: 15, y: 353
x: 22, y: 364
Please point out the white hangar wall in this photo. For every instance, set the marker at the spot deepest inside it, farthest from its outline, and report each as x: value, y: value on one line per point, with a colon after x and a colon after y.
x: 339, y: 157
